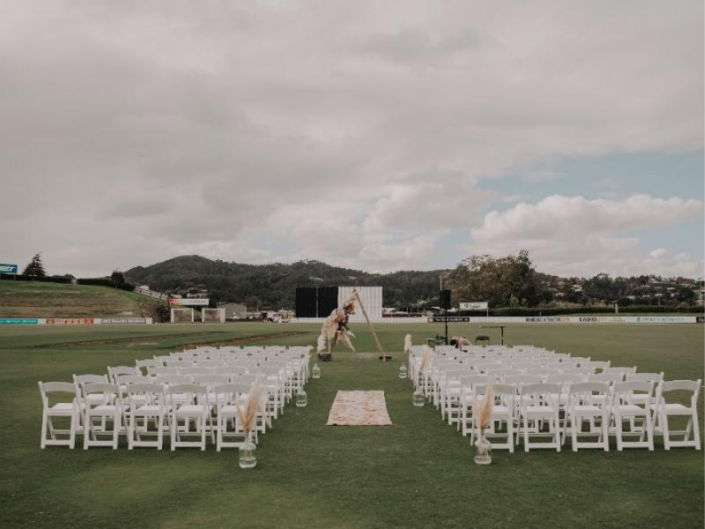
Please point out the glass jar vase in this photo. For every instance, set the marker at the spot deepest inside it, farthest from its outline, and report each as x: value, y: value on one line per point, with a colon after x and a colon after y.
x: 483, y: 450
x: 316, y: 371
x: 248, y: 453
x: 301, y: 398
x: 418, y: 398
x: 403, y: 371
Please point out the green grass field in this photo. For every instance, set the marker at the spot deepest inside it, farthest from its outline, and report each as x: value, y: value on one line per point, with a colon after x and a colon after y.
x: 417, y: 473
x: 20, y: 299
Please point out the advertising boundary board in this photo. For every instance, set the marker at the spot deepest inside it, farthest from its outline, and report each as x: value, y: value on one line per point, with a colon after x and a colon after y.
x: 76, y: 321
x: 569, y: 319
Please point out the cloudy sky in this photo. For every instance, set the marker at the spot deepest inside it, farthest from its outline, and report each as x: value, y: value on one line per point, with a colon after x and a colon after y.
x: 376, y: 135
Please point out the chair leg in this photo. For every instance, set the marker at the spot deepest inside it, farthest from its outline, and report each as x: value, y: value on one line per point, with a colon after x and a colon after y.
x: 618, y: 425
x: 665, y: 430
x: 42, y: 443
x: 160, y: 431
x: 649, y: 431
x: 696, y: 429
x: 72, y: 434
x: 574, y: 431
x: 174, y: 429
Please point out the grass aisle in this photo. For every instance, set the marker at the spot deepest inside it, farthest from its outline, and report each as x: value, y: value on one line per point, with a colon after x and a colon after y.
x: 416, y: 473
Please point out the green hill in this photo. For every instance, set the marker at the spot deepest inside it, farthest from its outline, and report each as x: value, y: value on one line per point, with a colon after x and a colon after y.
x: 52, y: 300
x: 274, y: 285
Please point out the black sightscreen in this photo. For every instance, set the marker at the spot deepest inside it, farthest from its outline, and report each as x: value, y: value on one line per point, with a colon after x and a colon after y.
x: 306, y: 302
x: 327, y: 301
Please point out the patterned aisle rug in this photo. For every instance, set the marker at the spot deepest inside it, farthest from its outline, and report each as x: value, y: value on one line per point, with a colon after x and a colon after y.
x: 359, y: 408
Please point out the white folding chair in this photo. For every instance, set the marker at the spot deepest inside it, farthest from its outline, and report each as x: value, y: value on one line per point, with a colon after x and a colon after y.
x: 588, y: 402
x: 108, y: 408
x: 467, y: 399
x: 146, y: 403
x: 189, y: 402
x: 503, y: 416
x: 626, y: 407
x: 113, y: 372
x: 538, y: 407
x: 67, y: 407
x: 227, y: 397
x: 665, y: 408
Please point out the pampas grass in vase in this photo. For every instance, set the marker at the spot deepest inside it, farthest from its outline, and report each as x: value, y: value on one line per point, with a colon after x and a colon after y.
x: 418, y: 398
x: 483, y: 418
x: 247, y: 417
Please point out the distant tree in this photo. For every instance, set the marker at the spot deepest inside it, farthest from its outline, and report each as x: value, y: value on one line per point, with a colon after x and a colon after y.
x: 505, y: 282
x: 117, y: 278
x: 35, y: 268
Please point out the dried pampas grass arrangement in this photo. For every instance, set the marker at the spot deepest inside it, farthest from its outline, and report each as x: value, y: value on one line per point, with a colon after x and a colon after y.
x: 248, y: 415
x: 321, y: 343
x: 407, y: 343
x: 484, y: 408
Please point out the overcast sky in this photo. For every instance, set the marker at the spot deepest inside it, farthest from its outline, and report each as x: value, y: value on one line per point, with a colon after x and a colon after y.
x: 375, y: 135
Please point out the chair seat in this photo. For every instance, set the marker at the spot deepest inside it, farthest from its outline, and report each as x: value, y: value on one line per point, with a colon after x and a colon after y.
x: 149, y: 409
x: 630, y: 409
x: 543, y: 410
x: 587, y: 408
x: 63, y: 408
x: 105, y: 408
x: 192, y: 410
x: 674, y: 409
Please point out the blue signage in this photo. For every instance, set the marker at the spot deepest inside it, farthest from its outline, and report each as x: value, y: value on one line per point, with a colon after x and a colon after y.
x: 8, y: 268
x: 19, y: 321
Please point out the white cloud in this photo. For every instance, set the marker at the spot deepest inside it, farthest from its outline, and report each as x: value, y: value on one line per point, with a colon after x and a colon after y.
x: 135, y: 131
x: 576, y: 236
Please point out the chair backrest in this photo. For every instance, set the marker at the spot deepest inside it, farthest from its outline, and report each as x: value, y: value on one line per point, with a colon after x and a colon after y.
x: 56, y: 387
x: 538, y: 394
x: 169, y: 380
x: 210, y: 380
x: 682, y: 385
x: 122, y: 370
x: 644, y: 377
x: 621, y: 370
x: 520, y: 380
x: 126, y: 380
x: 158, y: 371
x: 582, y: 371
x: 195, y: 370
x: 143, y: 393
x: 624, y: 390
x: 565, y: 379
x: 89, y: 379
x: 584, y: 391
x: 193, y: 392
x: 102, y: 387
x: 146, y: 363
x: 45, y: 388
x: 605, y: 377
x: 229, y: 393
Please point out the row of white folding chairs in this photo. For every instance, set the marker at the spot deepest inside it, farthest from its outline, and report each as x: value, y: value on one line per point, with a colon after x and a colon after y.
x: 121, y: 409
x: 458, y: 383
x: 434, y: 378
x: 530, y: 410
x: 281, y: 384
